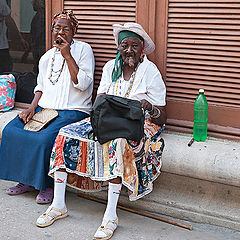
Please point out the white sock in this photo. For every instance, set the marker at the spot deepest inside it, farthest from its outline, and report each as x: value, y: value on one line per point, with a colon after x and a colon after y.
x: 60, y: 179
x: 111, y: 210
x: 113, y: 195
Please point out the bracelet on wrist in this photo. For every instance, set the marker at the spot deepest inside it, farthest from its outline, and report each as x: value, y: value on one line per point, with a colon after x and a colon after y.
x: 156, y: 114
x: 151, y: 109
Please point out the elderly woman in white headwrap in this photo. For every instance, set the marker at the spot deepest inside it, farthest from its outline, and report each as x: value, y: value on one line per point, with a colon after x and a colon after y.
x: 87, y: 163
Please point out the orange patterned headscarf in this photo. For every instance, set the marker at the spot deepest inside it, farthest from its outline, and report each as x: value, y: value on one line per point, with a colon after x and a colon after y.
x: 69, y: 16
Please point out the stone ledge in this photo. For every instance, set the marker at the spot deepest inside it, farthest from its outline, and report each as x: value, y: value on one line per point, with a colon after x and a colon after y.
x: 214, y: 160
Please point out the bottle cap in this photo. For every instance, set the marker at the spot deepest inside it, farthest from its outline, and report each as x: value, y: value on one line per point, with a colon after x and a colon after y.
x: 201, y: 90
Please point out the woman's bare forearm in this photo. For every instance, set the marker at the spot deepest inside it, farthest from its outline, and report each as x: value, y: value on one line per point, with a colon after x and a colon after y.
x: 73, y: 68
x: 36, y: 99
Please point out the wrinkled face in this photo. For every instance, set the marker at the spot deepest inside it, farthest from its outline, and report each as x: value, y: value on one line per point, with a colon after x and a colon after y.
x: 63, y: 28
x: 131, y: 49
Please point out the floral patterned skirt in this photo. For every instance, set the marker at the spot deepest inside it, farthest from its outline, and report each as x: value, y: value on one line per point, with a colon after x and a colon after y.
x: 89, y: 164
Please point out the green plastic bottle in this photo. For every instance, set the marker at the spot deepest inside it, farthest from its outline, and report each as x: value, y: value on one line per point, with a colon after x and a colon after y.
x: 200, y: 117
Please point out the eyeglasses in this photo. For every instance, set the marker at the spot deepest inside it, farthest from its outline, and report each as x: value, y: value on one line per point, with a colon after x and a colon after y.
x: 58, y: 29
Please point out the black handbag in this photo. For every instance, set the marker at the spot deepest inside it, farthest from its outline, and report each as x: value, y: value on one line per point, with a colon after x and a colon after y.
x: 116, y: 117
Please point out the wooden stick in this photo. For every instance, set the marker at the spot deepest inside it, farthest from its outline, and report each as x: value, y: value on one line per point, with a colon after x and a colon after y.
x: 139, y: 212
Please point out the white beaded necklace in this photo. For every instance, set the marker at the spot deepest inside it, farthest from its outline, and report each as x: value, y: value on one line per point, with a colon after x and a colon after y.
x: 55, y: 74
x: 119, y: 88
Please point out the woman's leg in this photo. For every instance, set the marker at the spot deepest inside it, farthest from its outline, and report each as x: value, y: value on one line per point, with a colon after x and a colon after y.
x: 110, y: 219
x: 60, y: 179
x: 57, y: 209
x: 114, y: 189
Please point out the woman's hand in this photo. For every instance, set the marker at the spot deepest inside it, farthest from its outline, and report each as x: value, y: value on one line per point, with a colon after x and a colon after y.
x: 146, y: 105
x: 157, y: 113
x: 27, y: 114
x: 73, y: 68
x: 64, y: 47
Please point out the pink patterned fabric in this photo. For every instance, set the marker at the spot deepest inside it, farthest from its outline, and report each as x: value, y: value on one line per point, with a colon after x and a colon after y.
x: 7, y: 92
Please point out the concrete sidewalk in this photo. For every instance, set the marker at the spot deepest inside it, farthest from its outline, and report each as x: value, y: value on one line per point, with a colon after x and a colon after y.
x: 19, y: 213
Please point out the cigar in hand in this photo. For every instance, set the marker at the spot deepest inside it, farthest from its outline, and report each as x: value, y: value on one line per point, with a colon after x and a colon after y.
x: 59, y: 41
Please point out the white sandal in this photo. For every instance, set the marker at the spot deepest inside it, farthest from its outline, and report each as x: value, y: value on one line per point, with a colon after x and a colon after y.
x: 107, y: 229
x: 53, y: 216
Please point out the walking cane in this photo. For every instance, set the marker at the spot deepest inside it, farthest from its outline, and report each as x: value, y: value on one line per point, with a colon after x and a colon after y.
x: 139, y: 212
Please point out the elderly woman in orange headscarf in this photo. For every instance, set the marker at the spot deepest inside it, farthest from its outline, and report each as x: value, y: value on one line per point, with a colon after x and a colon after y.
x: 64, y: 83
x: 83, y: 163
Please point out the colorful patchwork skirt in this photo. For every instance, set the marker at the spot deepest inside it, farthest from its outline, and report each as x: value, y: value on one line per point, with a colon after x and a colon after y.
x: 89, y: 164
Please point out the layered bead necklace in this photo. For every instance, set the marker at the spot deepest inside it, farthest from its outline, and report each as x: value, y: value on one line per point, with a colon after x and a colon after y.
x: 55, y: 74
x: 118, y: 85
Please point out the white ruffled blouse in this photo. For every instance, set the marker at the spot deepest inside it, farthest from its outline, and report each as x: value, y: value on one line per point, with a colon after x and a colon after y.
x: 64, y: 94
